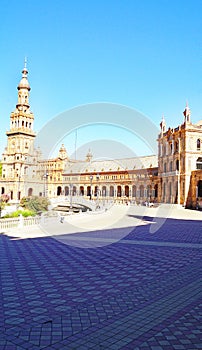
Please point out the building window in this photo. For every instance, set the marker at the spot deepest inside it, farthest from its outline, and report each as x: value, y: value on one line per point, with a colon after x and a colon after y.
x: 164, y: 167
x: 141, y: 191
x: 134, y: 190
x: 171, y: 166
x: 200, y: 188
x: 177, y: 164
x: 170, y: 189
x: 199, y: 163
x: 164, y: 189
x: 198, y: 145
x: 111, y: 191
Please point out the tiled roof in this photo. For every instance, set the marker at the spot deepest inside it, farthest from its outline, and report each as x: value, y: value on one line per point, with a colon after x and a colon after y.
x: 106, y: 165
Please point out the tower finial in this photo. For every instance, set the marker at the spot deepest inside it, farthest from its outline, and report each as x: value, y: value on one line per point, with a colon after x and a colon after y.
x: 187, y: 113
x: 24, y: 82
x: 89, y: 156
x: 25, y: 71
x: 163, y: 124
x: 25, y: 62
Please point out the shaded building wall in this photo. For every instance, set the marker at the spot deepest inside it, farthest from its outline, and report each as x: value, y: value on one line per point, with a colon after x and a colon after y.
x: 195, y: 189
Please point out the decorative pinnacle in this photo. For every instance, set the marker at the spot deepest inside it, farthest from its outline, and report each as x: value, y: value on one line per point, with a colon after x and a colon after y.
x: 25, y: 71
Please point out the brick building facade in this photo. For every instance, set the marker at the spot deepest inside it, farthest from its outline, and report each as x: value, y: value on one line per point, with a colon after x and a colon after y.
x: 172, y: 176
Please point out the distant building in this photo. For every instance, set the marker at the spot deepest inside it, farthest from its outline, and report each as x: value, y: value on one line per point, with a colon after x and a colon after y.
x: 174, y: 176
x: 121, y: 179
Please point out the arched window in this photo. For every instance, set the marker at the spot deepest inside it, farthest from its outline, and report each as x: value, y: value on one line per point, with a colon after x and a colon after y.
x: 141, y: 191
x: 59, y: 190
x: 119, y: 194
x: 127, y: 191
x: 149, y: 191
x: 164, y: 189
x: 74, y: 191
x: 156, y: 191
x: 66, y: 191
x: 170, y: 188
x: 81, y: 191
x: 30, y: 192
x: 104, y: 191
x: 111, y: 191
x: 198, y: 144
x: 134, y: 190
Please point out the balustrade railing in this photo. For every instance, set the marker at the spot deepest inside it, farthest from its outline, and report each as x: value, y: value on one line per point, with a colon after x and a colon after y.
x: 93, y: 204
x: 6, y: 224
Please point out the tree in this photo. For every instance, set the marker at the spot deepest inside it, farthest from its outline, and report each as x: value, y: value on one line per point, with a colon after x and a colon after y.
x: 36, y: 204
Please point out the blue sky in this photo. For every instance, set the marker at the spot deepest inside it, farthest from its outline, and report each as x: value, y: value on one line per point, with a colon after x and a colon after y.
x: 143, y: 54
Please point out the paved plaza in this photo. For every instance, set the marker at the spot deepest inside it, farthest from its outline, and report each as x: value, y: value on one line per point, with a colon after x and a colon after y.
x: 127, y: 279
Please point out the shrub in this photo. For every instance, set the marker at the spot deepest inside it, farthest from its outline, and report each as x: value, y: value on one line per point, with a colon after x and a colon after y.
x: 35, y: 204
x: 25, y: 213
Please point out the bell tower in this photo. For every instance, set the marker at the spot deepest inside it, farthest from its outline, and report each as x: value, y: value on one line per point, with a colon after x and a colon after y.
x: 20, y: 158
x: 21, y: 135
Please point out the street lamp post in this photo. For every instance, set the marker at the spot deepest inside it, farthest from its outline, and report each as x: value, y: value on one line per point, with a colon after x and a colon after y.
x: 91, y: 179
x: 1, y: 201
x: 115, y: 194
x: 178, y: 178
x: 45, y: 184
x: 97, y: 178
x: 71, y: 189
x: 104, y: 194
x: 19, y: 187
x: 196, y: 192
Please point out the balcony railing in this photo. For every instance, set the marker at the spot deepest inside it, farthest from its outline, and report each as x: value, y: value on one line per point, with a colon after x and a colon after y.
x: 170, y: 173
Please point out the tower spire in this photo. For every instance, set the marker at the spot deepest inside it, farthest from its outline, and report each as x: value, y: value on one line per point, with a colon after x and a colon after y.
x: 22, y: 117
x: 24, y: 84
x: 163, y: 125
x: 187, y: 113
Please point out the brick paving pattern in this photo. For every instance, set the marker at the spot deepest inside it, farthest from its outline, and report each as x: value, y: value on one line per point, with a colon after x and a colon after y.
x: 139, y: 293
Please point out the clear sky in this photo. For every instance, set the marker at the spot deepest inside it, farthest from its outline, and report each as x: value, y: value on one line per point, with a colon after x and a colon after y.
x: 140, y: 53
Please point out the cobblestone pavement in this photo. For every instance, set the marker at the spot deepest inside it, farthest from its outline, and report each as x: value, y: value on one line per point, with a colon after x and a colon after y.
x: 141, y: 292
